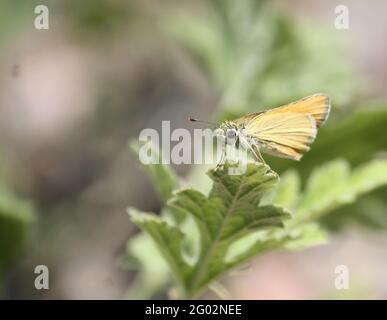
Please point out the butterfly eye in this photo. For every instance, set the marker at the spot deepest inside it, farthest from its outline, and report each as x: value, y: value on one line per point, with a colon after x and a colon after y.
x: 231, y: 133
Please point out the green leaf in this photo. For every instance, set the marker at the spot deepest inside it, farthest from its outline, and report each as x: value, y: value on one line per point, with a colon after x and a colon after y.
x: 305, y: 236
x: 287, y: 193
x: 153, y: 272
x: 168, y: 239
x: 254, y: 244
x: 370, y: 210
x: 230, y: 212
x: 325, y: 189
x: 334, y: 185
x: 163, y: 177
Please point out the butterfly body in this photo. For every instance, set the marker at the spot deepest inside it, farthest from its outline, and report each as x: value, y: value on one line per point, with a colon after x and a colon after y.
x: 286, y: 132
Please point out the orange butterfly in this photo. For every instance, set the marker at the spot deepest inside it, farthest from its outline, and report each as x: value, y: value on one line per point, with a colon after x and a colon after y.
x: 286, y: 132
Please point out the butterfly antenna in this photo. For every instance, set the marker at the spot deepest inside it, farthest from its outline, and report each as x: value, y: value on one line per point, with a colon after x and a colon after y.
x: 196, y: 120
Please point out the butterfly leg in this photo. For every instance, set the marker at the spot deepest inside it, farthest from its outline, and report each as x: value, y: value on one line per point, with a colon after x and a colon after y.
x: 260, y: 158
x: 258, y: 154
x: 222, y: 157
x: 255, y: 151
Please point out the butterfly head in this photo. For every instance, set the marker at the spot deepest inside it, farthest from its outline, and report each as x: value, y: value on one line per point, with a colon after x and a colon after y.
x: 229, y: 131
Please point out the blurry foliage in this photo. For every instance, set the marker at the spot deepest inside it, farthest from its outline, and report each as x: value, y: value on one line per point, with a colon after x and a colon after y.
x: 329, y: 187
x: 163, y: 178
x: 15, y: 216
x: 368, y: 212
x: 85, y: 18
x: 14, y: 16
x: 259, y: 58
x: 98, y: 17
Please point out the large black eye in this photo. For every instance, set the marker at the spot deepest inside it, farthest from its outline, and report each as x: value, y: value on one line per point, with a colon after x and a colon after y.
x: 231, y: 134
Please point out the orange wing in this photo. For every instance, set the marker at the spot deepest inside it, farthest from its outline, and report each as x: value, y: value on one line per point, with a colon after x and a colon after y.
x: 287, y: 135
x: 317, y: 105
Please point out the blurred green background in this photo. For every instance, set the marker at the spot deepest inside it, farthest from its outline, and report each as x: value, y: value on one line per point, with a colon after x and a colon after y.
x: 72, y: 96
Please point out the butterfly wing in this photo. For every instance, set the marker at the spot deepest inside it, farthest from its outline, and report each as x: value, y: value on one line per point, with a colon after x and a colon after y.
x: 286, y: 135
x: 317, y: 105
x: 287, y: 131
x: 242, y: 121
